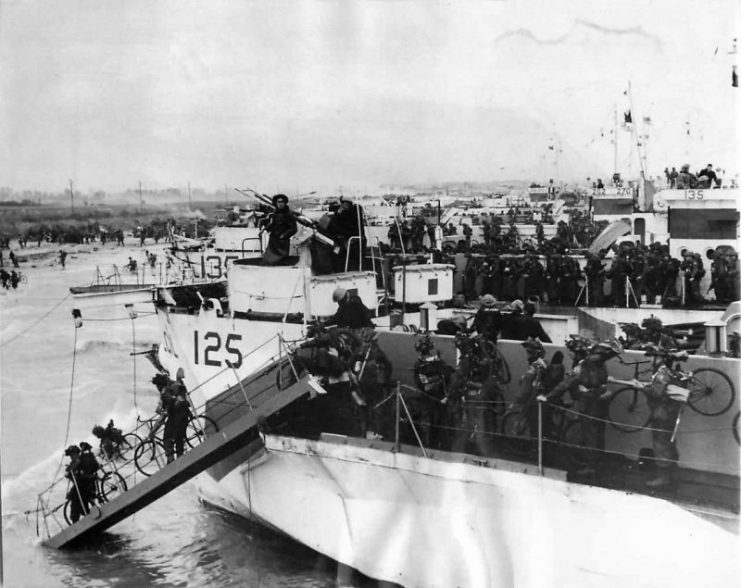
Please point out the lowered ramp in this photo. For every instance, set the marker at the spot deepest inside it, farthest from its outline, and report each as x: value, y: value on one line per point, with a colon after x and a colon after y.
x: 231, y: 438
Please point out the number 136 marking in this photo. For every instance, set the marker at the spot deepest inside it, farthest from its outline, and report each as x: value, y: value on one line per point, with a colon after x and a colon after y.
x: 214, y: 347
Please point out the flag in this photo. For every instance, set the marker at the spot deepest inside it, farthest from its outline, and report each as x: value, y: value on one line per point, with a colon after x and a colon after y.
x: 734, y: 77
x: 628, y: 117
x: 646, y: 120
x: 550, y: 147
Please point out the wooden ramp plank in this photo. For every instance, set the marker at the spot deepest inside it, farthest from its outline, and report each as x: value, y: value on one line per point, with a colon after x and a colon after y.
x: 218, y: 446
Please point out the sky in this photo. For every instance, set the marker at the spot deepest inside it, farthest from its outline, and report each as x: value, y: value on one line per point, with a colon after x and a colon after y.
x: 314, y: 94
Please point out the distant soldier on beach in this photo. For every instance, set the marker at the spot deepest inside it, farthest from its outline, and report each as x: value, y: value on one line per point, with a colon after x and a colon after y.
x: 63, y: 258
x: 13, y: 259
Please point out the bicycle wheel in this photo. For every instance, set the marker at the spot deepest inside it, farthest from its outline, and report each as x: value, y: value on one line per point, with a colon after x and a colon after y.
x: 127, y: 446
x: 111, y: 485
x: 628, y: 410
x: 67, y: 510
x: 199, y: 427
x: 711, y: 392
x: 149, y: 456
x: 736, y: 427
x: 24, y: 279
x: 286, y: 375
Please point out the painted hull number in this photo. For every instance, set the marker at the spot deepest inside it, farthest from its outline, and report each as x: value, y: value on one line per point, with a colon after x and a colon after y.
x: 213, y: 350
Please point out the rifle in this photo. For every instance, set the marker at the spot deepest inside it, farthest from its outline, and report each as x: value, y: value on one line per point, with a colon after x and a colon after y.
x: 300, y: 218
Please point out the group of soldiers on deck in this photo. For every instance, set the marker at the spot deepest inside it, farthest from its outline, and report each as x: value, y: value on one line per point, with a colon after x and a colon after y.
x: 458, y: 408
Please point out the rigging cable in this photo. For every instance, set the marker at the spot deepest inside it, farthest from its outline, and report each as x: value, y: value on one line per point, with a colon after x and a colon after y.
x: 24, y: 331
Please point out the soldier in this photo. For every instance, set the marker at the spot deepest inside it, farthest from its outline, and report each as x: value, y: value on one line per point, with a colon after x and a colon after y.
x: 595, y: 272
x: 81, y: 472
x: 474, y: 386
x: 587, y: 385
x: 530, y: 385
x: 432, y: 378
x: 418, y: 231
x: 488, y: 319
x: 665, y: 395
x: 539, y: 233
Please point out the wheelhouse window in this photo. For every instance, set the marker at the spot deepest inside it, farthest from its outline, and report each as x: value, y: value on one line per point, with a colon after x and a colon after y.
x: 612, y: 205
x: 688, y: 223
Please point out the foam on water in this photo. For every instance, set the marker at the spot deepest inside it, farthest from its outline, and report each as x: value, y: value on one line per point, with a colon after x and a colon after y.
x: 174, y: 541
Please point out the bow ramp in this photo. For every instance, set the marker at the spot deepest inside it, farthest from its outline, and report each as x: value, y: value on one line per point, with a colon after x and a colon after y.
x: 233, y: 437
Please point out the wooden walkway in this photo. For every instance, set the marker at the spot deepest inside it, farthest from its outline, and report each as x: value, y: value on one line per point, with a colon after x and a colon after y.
x: 230, y: 439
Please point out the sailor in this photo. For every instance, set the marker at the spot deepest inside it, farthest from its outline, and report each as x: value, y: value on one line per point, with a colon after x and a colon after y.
x: 530, y: 327
x: 81, y: 472
x: 432, y: 378
x: 348, y: 222
x: 708, y: 178
x: 351, y: 312
x: 665, y: 396
x: 281, y: 226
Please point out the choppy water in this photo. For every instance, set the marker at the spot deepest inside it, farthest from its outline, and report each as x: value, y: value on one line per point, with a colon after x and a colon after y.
x: 176, y: 541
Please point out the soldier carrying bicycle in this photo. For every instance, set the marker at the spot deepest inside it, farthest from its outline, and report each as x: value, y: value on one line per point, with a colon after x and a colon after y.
x: 666, y: 397
x: 81, y: 471
x: 587, y: 385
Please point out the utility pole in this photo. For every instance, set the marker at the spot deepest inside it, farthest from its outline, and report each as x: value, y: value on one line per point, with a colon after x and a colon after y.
x: 190, y: 206
x: 71, y: 195
x: 140, y: 198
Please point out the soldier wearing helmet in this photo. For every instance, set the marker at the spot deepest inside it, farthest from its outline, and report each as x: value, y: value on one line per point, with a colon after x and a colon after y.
x: 432, y: 378
x: 81, y: 471
x: 665, y: 394
x: 587, y: 385
x: 530, y: 383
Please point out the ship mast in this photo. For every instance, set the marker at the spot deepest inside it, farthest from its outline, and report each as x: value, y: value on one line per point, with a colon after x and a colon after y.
x: 615, y: 144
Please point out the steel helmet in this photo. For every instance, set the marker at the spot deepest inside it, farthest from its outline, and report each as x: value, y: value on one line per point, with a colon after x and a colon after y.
x: 424, y: 344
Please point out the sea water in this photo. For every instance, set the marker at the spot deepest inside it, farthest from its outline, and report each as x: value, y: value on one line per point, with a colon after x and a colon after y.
x: 56, y: 382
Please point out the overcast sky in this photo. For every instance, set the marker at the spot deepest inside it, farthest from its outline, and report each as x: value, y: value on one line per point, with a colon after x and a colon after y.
x: 312, y: 94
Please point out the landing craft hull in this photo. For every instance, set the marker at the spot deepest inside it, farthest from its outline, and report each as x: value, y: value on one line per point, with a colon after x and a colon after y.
x: 442, y: 521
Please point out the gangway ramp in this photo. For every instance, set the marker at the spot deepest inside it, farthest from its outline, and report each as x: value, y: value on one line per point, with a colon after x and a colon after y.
x: 216, y: 447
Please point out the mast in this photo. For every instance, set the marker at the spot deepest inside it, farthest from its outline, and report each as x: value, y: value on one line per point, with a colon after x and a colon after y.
x: 615, y: 144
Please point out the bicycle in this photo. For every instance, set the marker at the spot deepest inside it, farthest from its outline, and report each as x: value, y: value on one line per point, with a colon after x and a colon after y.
x: 565, y: 427
x: 627, y: 408
x: 22, y: 278
x: 122, y: 447
x: 108, y: 485
x: 711, y: 392
x: 149, y: 455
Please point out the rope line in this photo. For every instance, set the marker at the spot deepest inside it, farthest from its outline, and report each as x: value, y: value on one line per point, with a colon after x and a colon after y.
x: 32, y: 325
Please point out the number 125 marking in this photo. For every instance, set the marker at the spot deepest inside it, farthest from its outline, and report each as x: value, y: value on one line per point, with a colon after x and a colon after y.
x: 214, y: 347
